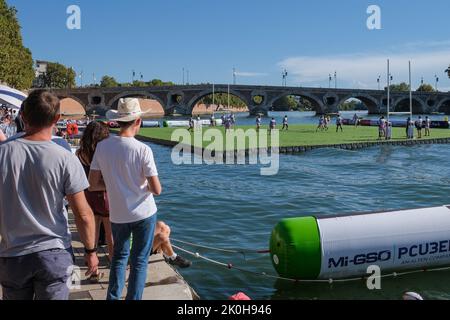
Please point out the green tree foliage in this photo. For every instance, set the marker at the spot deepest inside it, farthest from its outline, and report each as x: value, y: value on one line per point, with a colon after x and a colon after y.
x: 426, y: 88
x: 59, y: 76
x: 221, y: 99
x: 286, y: 103
x: 108, y: 82
x: 16, y: 62
x: 258, y: 99
x: 304, y: 105
x: 151, y: 83
x: 352, y: 105
x: 402, y: 87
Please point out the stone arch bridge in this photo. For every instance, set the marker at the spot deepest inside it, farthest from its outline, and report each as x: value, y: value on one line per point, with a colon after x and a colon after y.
x: 182, y: 99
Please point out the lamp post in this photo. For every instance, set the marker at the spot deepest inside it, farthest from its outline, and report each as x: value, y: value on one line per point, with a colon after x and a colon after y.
x: 421, y: 81
x: 388, y: 90
x: 378, y: 81
x: 133, y: 75
x: 81, y: 78
x: 437, y: 81
x: 284, y: 76
x: 335, y: 79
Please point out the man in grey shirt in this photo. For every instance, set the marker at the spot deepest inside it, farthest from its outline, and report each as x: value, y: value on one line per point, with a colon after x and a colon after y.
x: 35, y: 176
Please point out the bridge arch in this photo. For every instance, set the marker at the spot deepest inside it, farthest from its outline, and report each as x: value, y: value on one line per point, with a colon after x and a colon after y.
x: 78, y: 100
x: 316, y: 104
x: 112, y: 103
x: 402, y: 105
x: 193, y: 102
x: 370, y: 102
x: 444, y: 106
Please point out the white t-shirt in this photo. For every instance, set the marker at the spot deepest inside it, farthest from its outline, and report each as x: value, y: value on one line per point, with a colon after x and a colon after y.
x: 125, y: 164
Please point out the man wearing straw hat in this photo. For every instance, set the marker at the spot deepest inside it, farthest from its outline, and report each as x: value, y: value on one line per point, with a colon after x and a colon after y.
x: 126, y: 168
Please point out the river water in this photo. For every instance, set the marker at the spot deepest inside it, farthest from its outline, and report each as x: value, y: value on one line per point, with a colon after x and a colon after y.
x: 232, y: 206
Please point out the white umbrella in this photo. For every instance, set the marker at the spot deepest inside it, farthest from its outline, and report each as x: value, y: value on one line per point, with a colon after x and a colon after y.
x: 11, y: 97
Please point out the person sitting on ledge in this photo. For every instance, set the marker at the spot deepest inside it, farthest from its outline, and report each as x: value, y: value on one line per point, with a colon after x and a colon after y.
x: 161, y: 244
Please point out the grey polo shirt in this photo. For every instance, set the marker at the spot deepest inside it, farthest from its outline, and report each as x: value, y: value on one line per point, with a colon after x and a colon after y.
x: 35, y: 176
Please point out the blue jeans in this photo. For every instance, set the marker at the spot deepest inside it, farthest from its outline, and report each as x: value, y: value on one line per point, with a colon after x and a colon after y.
x: 43, y: 275
x: 143, y: 232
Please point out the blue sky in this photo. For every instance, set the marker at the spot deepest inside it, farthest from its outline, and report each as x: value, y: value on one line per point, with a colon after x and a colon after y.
x: 258, y: 37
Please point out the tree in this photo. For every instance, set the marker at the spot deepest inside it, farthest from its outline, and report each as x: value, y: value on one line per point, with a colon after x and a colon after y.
x: 426, y: 88
x: 304, y: 105
x: 221, y: 99
x: 16, y: 62
x: 108, y: 82
x: 59, y: 76
x: 399, y: 87
x: 286, y: 103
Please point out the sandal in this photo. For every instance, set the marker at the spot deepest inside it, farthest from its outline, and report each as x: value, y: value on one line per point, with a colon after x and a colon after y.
x: 95, y: 278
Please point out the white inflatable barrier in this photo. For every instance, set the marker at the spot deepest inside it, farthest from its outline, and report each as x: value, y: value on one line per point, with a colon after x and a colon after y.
x: 150, y: 124
x: 345, y: 246
x: 185, y: 123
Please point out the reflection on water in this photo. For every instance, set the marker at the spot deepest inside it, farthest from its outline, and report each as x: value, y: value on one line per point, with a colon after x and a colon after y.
x: 233, y: 206
x: 385, y: 153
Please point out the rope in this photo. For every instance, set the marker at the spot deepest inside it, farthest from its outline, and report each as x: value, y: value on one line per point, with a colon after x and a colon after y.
x: 230, y: 266
x: 238, y: 251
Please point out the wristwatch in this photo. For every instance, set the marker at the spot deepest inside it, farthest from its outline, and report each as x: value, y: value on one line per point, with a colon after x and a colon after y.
x: 89, y: 251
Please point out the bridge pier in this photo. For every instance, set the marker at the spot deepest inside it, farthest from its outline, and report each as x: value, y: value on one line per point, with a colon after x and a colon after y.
x: 255, y: 110
x: 177, y: 110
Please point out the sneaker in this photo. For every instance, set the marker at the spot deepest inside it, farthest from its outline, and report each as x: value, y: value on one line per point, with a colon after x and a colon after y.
x: 179, y: 262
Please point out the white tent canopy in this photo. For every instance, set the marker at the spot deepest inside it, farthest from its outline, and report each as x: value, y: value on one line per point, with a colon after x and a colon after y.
x: 11, y: 97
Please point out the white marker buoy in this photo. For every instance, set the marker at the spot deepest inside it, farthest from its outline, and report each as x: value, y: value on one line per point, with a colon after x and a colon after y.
x: 342, y: 247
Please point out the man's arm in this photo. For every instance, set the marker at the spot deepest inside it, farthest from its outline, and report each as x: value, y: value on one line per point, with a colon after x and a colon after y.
x: 154, y: 185
x: 85, y: 221
x: 96, y: 181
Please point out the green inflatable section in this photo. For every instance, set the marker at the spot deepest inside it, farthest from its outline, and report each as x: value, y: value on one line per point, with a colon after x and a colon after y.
x: 295, y: 248
x: 165, y: 124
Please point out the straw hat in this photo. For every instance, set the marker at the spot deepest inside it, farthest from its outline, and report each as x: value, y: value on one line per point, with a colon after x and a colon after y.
x: 128, y: 109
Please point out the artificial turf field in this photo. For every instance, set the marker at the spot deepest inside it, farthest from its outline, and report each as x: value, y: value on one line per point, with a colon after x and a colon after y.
x: 303, y: 135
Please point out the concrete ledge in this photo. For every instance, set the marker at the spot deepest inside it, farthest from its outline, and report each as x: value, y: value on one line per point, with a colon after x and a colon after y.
x: 163, y: 281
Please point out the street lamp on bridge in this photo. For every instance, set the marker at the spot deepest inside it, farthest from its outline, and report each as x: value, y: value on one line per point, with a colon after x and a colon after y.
x: 437, y: 81
x: 80, y: 75
x: 378, y: 81
x: 284, y: 76
x: 329, y: 80
x: 335, y: 79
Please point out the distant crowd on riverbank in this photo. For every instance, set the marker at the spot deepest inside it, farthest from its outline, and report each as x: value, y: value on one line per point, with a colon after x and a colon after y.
x: 10, y: 122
